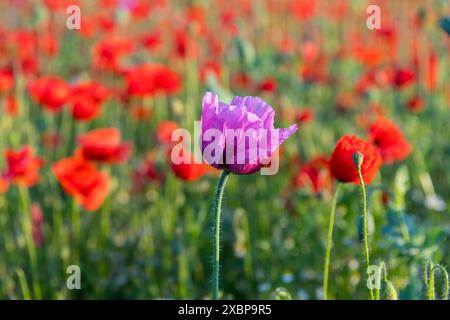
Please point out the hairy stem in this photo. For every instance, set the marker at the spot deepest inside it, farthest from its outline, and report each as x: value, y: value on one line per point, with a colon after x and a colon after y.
x: 216, y: 233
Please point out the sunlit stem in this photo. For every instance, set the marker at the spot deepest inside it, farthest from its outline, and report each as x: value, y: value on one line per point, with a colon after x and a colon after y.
x: 329, y: 242
x: 358, y: 159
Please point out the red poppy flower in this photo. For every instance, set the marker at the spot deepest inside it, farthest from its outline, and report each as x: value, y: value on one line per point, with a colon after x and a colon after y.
x: 341, y: 160
x: 51, y: 92
x: 6, y: 80
x: 305, y: 116
x: 389, y: 140
x: 104, y: 145
x: 85, y: 109
x: 87, y: 98
x: 22, y: 167
x: 80, y: 179
x: 315, y: 174
x: 268, y: 85
x: 152, y: 40
x: 210, y: 68
x: 151, y: 79
x: 403, y: 77
x: 145, y: 174
x: 11, y: 105
x: 416, y: 104
x: 140, y: 113
x: 107, y: 54
x: 189, y: 170
x: 164, y: 131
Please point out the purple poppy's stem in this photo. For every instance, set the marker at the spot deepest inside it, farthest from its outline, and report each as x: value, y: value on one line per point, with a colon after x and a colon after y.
x: 329, y: 242
x: 358, y: 159
x: 216, y: 233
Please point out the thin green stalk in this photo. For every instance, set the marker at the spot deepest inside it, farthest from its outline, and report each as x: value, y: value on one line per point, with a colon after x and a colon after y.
x: 23, y: 284
x: 216, y: 233
x: 76, y: 229
x: 329, y: 242
x: 28, y: 233
x: 358, y: 159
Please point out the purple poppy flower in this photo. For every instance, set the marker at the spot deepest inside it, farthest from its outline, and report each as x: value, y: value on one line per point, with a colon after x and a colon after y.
x: 240, y: 137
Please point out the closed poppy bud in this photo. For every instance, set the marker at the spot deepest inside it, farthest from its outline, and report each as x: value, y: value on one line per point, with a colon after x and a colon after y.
x: 342, y: 164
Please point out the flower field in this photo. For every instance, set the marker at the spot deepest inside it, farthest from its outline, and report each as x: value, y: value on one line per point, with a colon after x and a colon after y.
x: 346, y: 198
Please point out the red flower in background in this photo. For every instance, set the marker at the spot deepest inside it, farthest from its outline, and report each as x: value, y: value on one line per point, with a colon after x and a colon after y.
x: 188, y: 169
x: 315, y: 174
x: 151, y: 79
x: 147, y: 172
x: 305, y: 116
x: 107, y: 54
x: 51, y: 92
x: 389, y: 140
x: 432, y: 74
x: 37, y: 218
x: 191, y: 171
x: 268, y: 85
x: 11, y: 105
x: 151, y: 40
x: 210, y: 68
x: 6, y: 80
x: 22, y: 168
x: 80, y: 179
x: 87, y: 98
x: 403, y: 77
x: 416, y: 104
x: 164, y: 131
x: 104, y: 145
x: 341, y: 160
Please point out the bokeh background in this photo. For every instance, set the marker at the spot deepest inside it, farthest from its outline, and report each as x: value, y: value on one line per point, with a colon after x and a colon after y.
x: 139, y: 227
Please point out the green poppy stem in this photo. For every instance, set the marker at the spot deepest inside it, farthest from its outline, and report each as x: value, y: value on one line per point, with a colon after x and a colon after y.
x: 28, y: 233
x: 329, y: 242
x: 358, y: 159
x: 216, y: 233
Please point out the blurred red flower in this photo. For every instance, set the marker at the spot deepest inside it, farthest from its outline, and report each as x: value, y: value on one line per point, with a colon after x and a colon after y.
x: 164, y: 131
x: 341, y: 160
x: 315, y: 174
x: 50, y: 91
x: 6, y: 80
x: 189, y: 171
x: 87, y: 98
x: 37, y: 218
x: 80, y: 179
x: 403, y: 77
x: 104, y: 145
x: 268, y: 85
x: 151, y: 79
x: 11, y: 105
x: 416, y: 104
x: 22, y: 167
x: 389, y: 140
x: 107, y: 53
